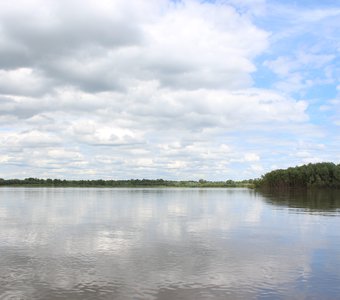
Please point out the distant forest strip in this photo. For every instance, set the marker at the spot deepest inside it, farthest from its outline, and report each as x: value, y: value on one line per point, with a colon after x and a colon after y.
x: 123, y: 183
x: 318, y: 175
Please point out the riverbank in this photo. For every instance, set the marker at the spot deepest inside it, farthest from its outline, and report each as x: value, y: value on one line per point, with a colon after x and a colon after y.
x: 132, y: 183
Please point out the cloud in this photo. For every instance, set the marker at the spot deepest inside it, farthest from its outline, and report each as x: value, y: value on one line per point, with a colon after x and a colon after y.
x: 334, y: 107
x: 98, y: 48
x: 54, y: 29
x: 249, y: 7
x: 22, y: 81
x: 167, y: 123
x: 297, y: 71
x: 28, y: 139
x: 96, y: 88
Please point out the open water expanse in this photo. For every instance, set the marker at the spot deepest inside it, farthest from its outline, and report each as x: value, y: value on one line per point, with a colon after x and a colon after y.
x: 79, y: 243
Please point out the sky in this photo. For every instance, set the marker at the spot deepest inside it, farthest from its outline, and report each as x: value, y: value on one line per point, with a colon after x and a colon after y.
x: 185, y: 89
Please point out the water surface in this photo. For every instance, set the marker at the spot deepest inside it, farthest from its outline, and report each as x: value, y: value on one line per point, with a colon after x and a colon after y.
x: 74, y: 243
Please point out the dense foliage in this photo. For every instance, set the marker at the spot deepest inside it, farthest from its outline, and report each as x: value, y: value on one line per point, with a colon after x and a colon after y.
x: 320, y: 175
x: 122, y: 183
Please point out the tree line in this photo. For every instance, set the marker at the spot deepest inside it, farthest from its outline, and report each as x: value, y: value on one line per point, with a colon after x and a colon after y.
x: 318, y: 175
x: 122, y: 183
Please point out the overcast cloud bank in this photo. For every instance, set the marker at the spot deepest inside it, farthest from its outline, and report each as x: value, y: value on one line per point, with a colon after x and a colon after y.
x: 165, y: 89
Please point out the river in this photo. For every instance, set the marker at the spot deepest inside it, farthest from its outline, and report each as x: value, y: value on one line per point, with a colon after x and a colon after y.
x: 87, y: 243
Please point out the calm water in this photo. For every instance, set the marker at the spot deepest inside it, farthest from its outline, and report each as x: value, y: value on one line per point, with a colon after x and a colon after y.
x: 168, y: 244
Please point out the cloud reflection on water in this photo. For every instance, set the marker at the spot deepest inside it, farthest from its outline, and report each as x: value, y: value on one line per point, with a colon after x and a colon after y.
x: 149, y: 243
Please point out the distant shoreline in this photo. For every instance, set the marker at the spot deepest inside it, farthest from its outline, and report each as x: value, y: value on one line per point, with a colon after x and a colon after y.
x: 318, y: 175
x: 145, y: 183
